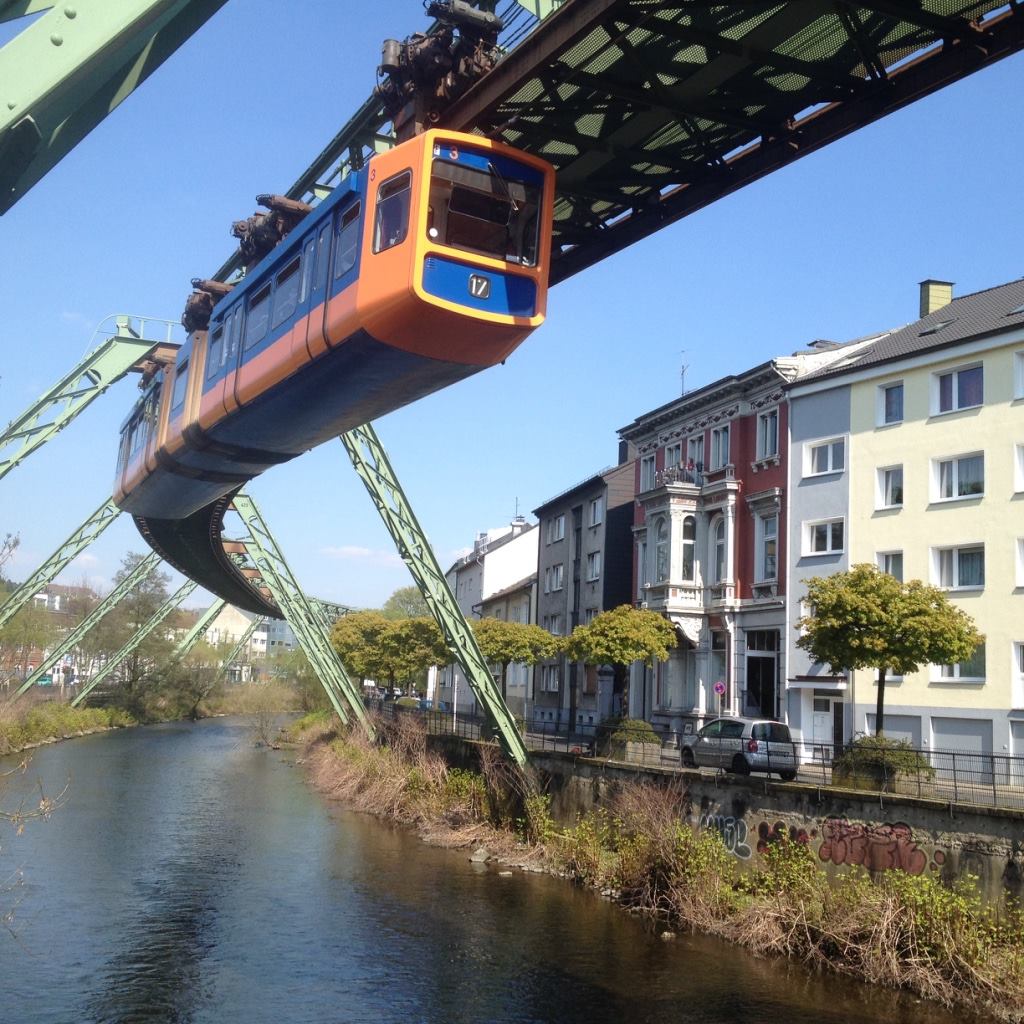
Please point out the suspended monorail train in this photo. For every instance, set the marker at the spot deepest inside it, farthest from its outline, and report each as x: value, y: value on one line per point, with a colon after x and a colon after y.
x: 425, y: 266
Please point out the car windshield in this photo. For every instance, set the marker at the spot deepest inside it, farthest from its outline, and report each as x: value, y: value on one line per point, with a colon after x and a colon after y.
x: 773, y: 732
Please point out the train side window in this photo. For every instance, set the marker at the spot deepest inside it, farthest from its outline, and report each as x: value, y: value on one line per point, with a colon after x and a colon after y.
x: 258, y: 317
x: 323, y: 253
x: 180, y: 386
x: 348, y: 241
x: 391, y: 223
x: 307, y: 270
x: 215, y: 357
x: 234, y: 326
x: 286, y: 294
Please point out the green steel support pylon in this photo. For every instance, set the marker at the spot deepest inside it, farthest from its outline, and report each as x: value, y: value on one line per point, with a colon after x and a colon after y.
x: 199, y: 629
x: 59, y: 560
x: 307, y: 623
x: 71, y: 67
x: 372, y: 464
x: 155, y: 619
x: 242, y: 641
x: 51, y: 413
x: 139, y: 573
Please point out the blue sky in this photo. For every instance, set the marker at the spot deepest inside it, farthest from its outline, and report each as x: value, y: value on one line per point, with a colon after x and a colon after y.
x: 830, y: 247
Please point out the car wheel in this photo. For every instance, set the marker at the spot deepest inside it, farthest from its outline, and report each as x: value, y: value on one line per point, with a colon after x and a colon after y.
x: 688, y: 761
x: 787, y: 776
x: 740, y: 766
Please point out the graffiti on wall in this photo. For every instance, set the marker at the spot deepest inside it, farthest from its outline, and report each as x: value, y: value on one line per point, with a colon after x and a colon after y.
x: 875, y: 847
x: 732, y: 830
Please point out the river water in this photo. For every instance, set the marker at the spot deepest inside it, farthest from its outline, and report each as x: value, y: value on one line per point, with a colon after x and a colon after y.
x: 190, y: 876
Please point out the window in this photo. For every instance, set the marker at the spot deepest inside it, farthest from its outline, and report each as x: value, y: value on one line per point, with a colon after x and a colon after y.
x: 215, y: 356
x: 286, y: 294
x: 1017, y: 678
x: 595, y: 514
x: 689, y: 543
x: 890, y: 403
x: 823, y: 538
x: 890, y: 487
x: 180, y: 387
x: 958, y: 389
x: 717, y: 665
x: 553, y: 578
x: 718, y: 542
x: 307, y: 269
x: 549, y: 678
x: 647, y: 473
x: 661, y: 553
x: 673, y: 455
x: 1018, y: 468
x: 556, y: 529
x: 348, y: 241
x: 695, y: 451
x: 720, y: 447
x: 1018, y: 374
x: 641, y: 572
x: 553, y: 624
x: 959, y: 568
x: 589, y: 615
x: 767, y: 540
x: 258, y: 317
x: 825, y: 457
x: 593, y: 565
x: 1020, y: 562
x: 891, y: 563
x: 391, y: 223
x: 962, y: 477
x: 768, y: 434
x: 972, y: 669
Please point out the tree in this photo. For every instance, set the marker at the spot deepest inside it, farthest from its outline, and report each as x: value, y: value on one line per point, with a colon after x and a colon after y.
x: 405, y: 603
x: 27, y: 635
x: 866, y: 618
x: 358, y: 638
x: 621, y: 636
x: 8, y: 545
x: 506, y: 642
x: 293, y: 668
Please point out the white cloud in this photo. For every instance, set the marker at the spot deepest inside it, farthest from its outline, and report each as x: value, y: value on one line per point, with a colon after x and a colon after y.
x: 366, y: 556
x: 85, y: 559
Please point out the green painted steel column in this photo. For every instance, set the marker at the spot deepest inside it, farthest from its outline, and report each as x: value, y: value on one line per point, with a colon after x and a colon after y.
x: 305, y: 621
x: 374, y: 469
x: 64, y: 73
x: 199, y: 629
x: 59, y: 560
x: 139, y: 573
x: 51, y: 413
x: 157, y: 617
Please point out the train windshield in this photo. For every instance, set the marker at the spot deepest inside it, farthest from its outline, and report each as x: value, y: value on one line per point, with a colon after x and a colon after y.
x: 486, y: 205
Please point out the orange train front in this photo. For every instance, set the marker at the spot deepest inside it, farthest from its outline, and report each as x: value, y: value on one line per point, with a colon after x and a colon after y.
x: 422, y: 268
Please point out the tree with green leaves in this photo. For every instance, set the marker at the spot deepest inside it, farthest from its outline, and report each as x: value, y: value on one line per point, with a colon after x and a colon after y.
x: 24, y: 638
x: 405, y: 603
x: 866, y: 618
x: 358, y: 638
x: 505, y: 643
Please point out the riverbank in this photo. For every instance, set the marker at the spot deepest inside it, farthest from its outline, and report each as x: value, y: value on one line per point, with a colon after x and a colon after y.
x: 900, y: 931
x: 25, y: 727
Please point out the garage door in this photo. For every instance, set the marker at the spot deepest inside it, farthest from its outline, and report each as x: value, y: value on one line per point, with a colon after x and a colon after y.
x: 1017, y: 749
x: 963, y: 746
x: 900, y: 727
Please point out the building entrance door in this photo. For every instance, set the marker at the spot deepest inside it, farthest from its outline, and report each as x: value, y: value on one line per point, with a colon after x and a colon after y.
x: 760, y: 696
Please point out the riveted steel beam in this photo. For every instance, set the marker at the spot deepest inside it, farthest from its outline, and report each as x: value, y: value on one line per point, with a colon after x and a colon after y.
x: 375, y: 470
x: 243, y: 640
x: 196, y: 633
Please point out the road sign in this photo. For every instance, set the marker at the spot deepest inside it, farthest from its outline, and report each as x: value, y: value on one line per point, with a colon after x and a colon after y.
x: 719, y: 687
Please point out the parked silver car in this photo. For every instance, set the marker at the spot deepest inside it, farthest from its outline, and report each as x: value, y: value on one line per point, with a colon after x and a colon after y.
x: 742, y: 746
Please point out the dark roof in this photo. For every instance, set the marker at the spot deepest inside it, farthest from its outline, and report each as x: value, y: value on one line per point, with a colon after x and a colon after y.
x: 979, y: 315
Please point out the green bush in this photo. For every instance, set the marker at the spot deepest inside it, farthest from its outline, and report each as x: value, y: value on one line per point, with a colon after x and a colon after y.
x: 614, y: 733
x: 880, y: 758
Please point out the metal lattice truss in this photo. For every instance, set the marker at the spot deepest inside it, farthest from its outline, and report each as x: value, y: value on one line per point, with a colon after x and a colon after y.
x: 375, y: 470
x: 311, y: 624
x: 651, y: 109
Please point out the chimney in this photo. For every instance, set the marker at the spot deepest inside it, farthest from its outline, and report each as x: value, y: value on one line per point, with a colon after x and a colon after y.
x: 935, y: 295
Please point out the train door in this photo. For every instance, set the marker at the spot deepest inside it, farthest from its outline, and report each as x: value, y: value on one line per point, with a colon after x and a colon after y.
x: 342, y: 317
x: 318, y: 259
x: 196, y: 380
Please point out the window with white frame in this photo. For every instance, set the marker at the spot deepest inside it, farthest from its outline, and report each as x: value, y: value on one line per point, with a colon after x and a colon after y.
x: 825, y: 457
x: 891, y: 563
x: 647, y: 473
x: 720, y: 447
x: 767, y: 545
x: 556, y: 576
x: 1018, y: 467
x: 962, y: 388
x: 1018, y: 374
x: 719, y: 550
x: 768, y: 434
x: 971, y: 670
x: 673, y: 454
x: 695, y: 451
x: 661, y: 552
x: 1020, y: 562
x: 890, y: 403
x: 960, y: 477
x: 689, y: 546
x: 824, y: 538
x: 890, y: 487
x: 595, y: 511
x: 549, y: 678
x: 642, y: 579
x: 555, y: 624
x: 960, y: 568
x: 593, y: 565
x: 556, y: 529
x: 1017, y: 678
x: 589, y: 614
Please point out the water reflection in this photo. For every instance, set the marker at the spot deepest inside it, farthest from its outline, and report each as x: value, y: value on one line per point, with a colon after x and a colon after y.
x: 194, y: 878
